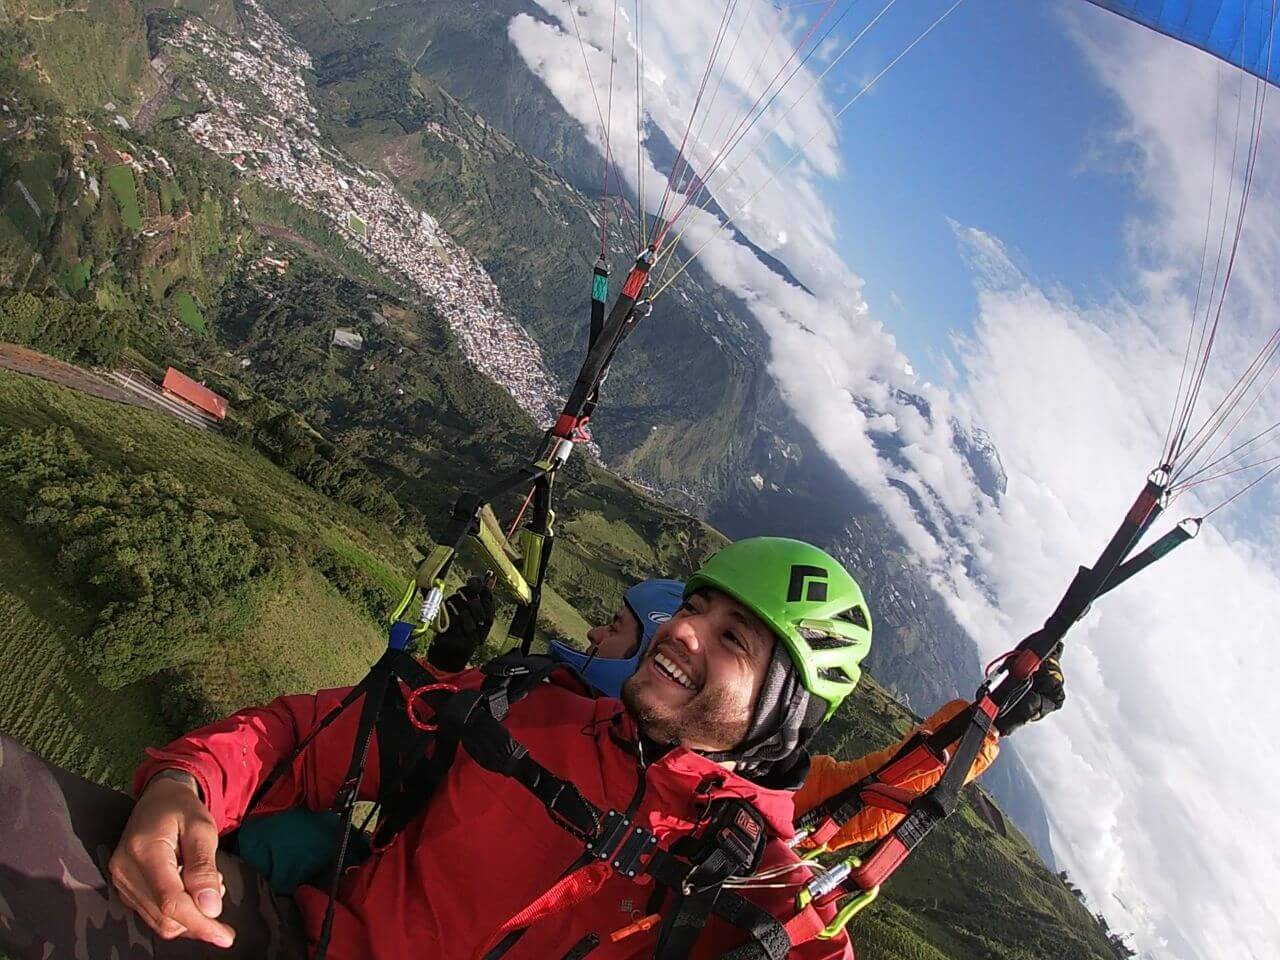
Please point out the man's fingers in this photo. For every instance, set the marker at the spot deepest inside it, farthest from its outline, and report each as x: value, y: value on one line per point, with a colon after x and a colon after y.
x: 135, y: 895
x: 158, y: 864
x: 200, y: 876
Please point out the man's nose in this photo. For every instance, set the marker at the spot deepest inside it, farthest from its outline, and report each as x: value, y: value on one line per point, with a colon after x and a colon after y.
x: 595, y: 635
x: 686, y: 631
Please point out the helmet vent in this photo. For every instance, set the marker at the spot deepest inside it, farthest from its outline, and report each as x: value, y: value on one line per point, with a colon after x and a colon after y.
x: 834, y: 675
x: 855, y: 615
x: 825, y: 641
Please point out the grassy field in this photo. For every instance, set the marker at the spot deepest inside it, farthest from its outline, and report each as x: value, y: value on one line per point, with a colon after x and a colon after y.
x: 301, y: 635
x: 77, y: 278
x: 189, y: 312
x: 355, y: 224
x: 125, y: 190
x: 46, y: 701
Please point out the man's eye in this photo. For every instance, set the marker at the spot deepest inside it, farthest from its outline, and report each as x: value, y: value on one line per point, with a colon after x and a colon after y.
x: 736, y: 641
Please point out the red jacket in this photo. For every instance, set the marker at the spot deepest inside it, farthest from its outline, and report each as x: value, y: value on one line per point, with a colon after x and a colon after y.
x: 485, y: 848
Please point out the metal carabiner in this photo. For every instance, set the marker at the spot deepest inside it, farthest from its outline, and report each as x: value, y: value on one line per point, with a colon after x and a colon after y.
x: 819, y: 887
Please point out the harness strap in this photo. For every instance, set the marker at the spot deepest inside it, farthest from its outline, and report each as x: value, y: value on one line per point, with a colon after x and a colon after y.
x: 770, y: 938
x: 732, y: 841
x: 933, y: 806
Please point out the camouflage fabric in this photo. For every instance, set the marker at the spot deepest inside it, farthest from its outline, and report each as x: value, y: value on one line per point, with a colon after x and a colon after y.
x: 57, y: 833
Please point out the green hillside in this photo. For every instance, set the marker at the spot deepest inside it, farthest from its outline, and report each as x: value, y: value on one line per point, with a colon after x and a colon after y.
x: 127, y: 245
x: 299, y: 629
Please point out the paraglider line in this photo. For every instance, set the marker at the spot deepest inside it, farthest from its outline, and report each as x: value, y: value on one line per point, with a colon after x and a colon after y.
x: 640, y: 209
x: 778, y: 121
x: 738, y: 133
x: 1186, y: 482
x: 1239, y: 493
x: 1258, y: 111
x: 800, y: 150
x: 608, y: 130
x: 1224, y: 435
x: 1167, y: 447
x: 608, y: 153
x: 1229, y: 473
x: 702, y: 87
x: 1233, y: 397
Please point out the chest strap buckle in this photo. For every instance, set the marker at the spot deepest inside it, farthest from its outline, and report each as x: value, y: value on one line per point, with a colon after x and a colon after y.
x: 622, y: 844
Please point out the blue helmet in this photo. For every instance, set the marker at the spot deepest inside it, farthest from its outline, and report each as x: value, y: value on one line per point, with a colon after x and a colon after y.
x: 652, y: 603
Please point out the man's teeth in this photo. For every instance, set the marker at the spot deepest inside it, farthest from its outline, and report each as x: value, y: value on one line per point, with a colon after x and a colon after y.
x: 676, y: 674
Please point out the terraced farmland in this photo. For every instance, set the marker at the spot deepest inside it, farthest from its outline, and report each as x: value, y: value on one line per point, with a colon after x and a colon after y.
x: 46, y: 701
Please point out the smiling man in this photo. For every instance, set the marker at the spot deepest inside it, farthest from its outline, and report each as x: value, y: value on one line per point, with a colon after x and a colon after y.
x: 597, y: 830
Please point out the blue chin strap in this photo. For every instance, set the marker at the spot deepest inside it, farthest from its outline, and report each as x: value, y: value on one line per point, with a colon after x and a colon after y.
x: 652, y: 603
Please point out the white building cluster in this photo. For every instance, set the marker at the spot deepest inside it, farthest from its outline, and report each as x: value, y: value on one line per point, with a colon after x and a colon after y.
x: 263, y: 120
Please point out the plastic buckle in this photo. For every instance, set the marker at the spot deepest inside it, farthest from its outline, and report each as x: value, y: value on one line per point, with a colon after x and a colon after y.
x: 415, y: 694
x: 622, y: 844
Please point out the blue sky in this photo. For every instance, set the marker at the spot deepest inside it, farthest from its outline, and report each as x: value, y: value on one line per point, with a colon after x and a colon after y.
x: 997, y: 123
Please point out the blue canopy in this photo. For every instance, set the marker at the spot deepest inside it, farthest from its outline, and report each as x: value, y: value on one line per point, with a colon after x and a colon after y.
x: 1245, y: 33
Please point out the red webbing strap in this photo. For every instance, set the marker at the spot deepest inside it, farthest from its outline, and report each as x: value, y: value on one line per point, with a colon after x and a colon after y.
x: 918, y: 761
x: 635, y: 282
x: 565, y: 893
x: 931, y: 807
x: 877, y: 868
x: 917, y: 756
x: 805, y: 926
x: 822, y: 833
x: 886, y: 797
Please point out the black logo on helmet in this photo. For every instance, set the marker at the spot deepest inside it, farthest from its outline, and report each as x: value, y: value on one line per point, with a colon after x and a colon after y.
x: 807, y: 583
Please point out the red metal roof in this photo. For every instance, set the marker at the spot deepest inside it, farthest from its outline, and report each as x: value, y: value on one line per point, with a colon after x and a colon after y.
x: 196, y: 394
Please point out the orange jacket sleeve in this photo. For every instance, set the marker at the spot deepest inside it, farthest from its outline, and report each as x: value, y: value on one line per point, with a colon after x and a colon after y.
x: 828, y: 776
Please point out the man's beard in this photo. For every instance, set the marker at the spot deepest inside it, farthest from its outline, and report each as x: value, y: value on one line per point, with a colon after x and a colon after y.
x: 701, y: 721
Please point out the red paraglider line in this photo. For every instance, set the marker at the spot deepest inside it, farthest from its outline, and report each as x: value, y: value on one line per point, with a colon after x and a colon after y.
x: 1170, y: 435
x: 735, y: 137
x: 702, y: 88
x: 1240, y: 493
x: 1223, y: 410
x: 608, y: 153
x: 1200, y: 439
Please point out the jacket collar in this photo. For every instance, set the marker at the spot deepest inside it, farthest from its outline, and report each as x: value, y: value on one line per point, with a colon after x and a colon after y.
x: 704, y: 779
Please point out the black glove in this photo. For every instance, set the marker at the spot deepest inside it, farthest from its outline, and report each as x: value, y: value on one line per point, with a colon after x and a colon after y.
x: 470, y: 612
x: 1046, y: 695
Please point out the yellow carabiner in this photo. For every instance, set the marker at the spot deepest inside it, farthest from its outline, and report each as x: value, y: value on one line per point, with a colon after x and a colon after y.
x: 847, y: 912
x: 819, y: 887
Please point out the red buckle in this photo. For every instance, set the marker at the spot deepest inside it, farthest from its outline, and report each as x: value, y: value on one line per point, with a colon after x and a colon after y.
x: 415, y: 694
x: 1024, y: 665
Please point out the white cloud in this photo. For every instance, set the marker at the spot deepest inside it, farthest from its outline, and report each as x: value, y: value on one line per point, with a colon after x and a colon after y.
x: 1160, y: 776
x: 1160, y: 788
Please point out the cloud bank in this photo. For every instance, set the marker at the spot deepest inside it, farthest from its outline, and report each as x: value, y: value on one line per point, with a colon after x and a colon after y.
x: 1159, y: 777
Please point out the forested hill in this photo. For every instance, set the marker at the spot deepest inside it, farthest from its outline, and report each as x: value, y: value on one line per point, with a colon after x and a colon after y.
x: 142, y: 225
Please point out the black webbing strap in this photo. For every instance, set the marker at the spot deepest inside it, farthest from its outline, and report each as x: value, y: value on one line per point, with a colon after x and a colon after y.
x: 408, y: 788
x: 931, y: 807
x: 769, y: 938
x: 583, y: 947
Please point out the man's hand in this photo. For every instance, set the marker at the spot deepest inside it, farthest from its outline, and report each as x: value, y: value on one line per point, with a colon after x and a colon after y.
x: 164, y: 866
x: 1046, y: 694
x: 471, y: 611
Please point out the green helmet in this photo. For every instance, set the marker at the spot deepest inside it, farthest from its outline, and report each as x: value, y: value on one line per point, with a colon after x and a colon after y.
x: 807, y: 598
